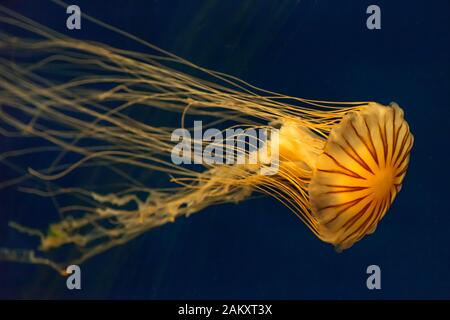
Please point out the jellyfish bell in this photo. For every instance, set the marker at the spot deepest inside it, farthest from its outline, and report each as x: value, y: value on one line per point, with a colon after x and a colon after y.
x: 359, y: 173
x: 341, y: 180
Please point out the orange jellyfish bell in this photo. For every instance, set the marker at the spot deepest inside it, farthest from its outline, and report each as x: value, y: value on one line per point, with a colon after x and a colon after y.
x: 359, y: 173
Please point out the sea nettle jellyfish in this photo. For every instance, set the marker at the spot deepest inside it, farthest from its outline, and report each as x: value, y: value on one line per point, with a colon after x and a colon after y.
x: 90, y: 108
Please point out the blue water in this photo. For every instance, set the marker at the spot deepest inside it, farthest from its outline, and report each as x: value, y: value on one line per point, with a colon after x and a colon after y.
x: 258, y: 249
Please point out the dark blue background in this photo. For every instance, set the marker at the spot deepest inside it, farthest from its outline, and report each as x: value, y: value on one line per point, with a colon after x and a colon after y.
x: 258, y: 249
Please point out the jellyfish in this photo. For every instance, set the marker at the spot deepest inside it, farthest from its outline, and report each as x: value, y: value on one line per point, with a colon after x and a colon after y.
x: 91, y: 107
